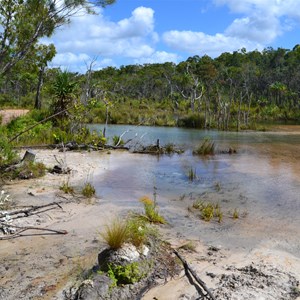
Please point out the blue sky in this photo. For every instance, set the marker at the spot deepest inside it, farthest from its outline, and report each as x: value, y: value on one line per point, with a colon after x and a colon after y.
x: 157, y: 31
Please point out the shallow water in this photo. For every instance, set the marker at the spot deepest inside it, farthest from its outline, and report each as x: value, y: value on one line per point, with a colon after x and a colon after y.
x: 261, y: 181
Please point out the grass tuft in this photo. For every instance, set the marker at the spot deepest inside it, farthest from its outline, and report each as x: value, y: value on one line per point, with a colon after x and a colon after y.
x: 207, y: 147
x: 151, y: 211
x: 88, y: 190
x: 115, y: 234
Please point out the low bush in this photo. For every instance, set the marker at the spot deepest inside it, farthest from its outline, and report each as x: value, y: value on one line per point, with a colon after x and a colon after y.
x: 131, y: 273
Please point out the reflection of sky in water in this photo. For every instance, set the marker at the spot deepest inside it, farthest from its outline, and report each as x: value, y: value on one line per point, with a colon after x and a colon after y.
x: 263, y: 178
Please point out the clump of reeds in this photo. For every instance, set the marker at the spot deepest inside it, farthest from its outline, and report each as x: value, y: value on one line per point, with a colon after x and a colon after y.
x: 207, y: 147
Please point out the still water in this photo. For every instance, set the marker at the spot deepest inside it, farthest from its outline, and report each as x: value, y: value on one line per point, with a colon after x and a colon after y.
x: 261, y: 181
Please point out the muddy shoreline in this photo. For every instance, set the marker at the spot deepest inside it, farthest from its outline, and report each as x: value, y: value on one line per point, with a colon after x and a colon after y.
x: 40, y: 266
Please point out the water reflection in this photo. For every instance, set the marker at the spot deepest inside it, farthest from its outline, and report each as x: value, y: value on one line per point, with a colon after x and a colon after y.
x: 263, y: 178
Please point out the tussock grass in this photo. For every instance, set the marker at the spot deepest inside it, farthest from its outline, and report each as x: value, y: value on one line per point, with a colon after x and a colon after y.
x: 116, y: 234
x: 88, y: 190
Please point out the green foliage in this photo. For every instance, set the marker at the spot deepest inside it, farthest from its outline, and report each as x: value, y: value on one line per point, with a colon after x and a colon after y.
x: 7, y: 154
x: 138, y: 231
x: 115, y: 234
x: 128, y: 274
x: 208, y: 210
x: 117, y: 141
x: 27, y: 170
x: 169, y: 148
x: 151, y: 211
x: 191, y: 120
x: 66, y: 188
x: 64, y: 90
x: 207, y: 147
x: 88, y: 190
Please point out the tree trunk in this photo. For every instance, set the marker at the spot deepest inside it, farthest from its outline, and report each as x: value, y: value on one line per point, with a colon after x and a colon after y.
x: 38, y: 102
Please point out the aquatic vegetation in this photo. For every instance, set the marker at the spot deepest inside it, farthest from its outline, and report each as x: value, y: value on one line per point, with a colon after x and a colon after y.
x: 207, y: 147
x: 169, y: 148
x: 117, y: 140
x: 217, y: 186
x: 208, y: 210
x: 192, y: 174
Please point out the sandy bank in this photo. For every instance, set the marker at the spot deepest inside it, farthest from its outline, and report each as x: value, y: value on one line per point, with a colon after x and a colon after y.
x: 40, y: 265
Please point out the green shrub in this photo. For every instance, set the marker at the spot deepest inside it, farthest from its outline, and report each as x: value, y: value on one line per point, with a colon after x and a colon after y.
x: 192, y: 120
x: 7, y: 154
x: 128, y: 274
x: 138, y: 231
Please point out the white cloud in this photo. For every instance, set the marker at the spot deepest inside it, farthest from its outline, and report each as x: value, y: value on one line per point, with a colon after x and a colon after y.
x: 93, y: 34
x: 134, y: 39
x: 201, y: 43
x: 262, y: 21
x: 158, y: 57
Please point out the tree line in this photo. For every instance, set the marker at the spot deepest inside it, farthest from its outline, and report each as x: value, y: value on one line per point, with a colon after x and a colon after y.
x: 232, y: 91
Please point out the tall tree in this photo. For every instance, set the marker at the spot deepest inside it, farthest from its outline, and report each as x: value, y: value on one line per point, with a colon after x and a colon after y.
x: 24, y: 22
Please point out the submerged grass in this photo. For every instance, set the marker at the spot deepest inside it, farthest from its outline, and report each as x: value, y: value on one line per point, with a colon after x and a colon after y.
x: 207, y: 147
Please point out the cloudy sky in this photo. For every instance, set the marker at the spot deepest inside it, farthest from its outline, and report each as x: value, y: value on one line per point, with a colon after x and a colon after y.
x: 157, y: 31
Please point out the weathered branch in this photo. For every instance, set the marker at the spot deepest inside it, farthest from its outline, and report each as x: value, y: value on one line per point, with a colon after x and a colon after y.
x: 188, y: 268
x: 22, y: 229
x: 29, y: 211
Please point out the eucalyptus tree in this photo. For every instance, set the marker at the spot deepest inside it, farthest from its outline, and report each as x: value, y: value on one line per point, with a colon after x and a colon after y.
x: 190, y: 85
x: 24, y: 22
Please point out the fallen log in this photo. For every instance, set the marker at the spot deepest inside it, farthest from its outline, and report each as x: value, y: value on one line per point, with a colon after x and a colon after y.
x: 202, y: 284
x: 30, y: 211
x: 24, y: 228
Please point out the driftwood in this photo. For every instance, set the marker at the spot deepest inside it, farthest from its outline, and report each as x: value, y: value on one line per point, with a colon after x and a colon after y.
x: 206, y: 294
x: 21, y: 229
x: 13, y: 231
x: 32, y: 210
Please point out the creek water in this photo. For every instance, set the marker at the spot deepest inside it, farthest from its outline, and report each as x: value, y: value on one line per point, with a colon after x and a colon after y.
x: 261, y: 181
